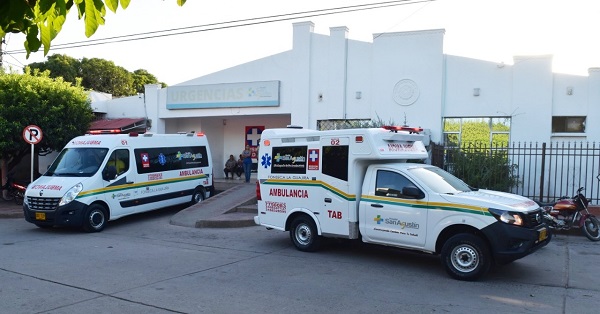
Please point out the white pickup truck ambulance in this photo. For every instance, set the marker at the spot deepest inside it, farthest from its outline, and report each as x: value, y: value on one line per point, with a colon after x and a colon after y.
x: 97, y: 178
x: 357, y: 183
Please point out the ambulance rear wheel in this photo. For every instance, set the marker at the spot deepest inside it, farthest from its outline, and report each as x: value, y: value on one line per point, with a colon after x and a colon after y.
x: 95, y: 218
x: 197, y: 197
x: 304, y: 234
x: 466, y: 257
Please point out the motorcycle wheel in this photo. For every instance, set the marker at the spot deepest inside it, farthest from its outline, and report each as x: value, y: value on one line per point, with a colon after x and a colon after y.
x: 591, y: 228
x: 7, y: 195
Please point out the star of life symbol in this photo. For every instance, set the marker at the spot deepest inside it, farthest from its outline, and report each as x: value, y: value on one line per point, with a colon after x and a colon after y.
x: 266, y: 161
x: 162, y: 159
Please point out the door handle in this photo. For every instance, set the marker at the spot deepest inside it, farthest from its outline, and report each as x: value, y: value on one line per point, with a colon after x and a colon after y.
x: 129, y: 182
x: 376, y: 205
x: 327, y: 200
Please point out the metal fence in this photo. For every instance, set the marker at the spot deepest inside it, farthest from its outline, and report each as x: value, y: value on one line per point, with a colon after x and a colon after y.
x: 545, y: 171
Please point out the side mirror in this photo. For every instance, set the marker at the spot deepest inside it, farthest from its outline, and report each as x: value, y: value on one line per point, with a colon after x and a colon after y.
x: 109, y: 173
x: 412, y: 192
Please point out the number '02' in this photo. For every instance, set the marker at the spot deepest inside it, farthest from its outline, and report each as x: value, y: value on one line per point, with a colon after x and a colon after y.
x: 335, y: 141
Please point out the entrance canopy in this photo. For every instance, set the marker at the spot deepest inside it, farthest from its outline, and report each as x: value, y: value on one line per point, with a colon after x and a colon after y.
x: 118, y: 126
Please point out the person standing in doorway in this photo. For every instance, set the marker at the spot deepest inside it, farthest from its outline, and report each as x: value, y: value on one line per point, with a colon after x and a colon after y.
x: 247, y: 155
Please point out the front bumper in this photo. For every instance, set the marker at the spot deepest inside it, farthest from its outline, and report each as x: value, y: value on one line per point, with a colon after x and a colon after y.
x: 509, y: 243
x: 68, y: 215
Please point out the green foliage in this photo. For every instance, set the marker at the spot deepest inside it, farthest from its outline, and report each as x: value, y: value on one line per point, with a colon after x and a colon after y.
x: 376, y: 123
x: 61, y: 110
x: 60, y: 65
x: 103, y: 75
x: 488, y: 169
x: 477, y: 130
x: 42, y: 20
x: 97, y: 74
x: 142, y: 77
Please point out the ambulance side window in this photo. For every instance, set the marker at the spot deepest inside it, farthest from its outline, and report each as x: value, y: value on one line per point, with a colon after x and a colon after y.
x: 390, y: 184
x: 120, y: 160
x: 157, y: 159
x: 335, y: 161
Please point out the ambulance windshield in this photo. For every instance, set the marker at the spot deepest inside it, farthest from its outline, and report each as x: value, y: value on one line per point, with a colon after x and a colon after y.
x: 440, y: 181
x: 77, y: 162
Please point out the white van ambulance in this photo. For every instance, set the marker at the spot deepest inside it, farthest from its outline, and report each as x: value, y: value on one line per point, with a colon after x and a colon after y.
x: 97, y: 178
x: 357, y: 183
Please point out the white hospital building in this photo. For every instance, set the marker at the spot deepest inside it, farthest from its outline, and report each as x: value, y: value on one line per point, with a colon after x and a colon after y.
x: 400, y: 77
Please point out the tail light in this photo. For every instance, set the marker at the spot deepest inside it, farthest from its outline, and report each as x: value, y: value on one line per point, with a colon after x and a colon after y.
x: 19, y: 187
x: 258, y: 197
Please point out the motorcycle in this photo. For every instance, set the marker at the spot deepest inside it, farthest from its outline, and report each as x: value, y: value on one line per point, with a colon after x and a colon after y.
x: 14, y: 191
x: 568, y: 213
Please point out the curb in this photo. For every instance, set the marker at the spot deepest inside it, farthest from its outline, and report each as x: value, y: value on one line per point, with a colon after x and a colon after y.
x: 11, y: 210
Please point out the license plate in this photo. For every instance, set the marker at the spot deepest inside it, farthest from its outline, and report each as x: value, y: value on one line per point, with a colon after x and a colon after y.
x: 40, y: 216
x: 542, y: 235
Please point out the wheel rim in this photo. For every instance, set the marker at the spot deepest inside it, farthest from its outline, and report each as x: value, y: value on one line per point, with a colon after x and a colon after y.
x: 465, y: 258
x: 303, y: 234
x: 96, y: 219
x: 591, y: 227
x: 197, y: 198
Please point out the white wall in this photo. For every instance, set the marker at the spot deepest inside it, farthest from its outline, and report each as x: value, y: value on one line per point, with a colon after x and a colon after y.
x: 532, y: 99
x: 337, y: 67
x: 409, y: 66
x: 464, y: 75
x: 273, y: 68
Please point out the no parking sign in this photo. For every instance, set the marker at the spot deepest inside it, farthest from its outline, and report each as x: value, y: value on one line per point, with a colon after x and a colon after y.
x: 32, y: 134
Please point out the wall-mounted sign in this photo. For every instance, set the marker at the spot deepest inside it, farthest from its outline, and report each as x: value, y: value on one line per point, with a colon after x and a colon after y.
x: 250, y: 94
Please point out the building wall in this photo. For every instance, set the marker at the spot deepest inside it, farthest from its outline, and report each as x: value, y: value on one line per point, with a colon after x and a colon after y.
x: 402, y: 77
x: 407, y: 79
x: 475, y: 88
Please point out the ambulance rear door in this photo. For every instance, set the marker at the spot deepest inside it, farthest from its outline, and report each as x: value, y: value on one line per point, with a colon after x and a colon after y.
x: 334, y: 197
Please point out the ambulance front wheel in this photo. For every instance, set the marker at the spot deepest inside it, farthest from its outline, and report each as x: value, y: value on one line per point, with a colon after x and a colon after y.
x: 95, y: 218
x: 304, y: 235
x: 466, y: 257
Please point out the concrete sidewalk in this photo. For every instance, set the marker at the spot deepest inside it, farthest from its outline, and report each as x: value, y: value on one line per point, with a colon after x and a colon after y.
x: 9, y: 209
x: 232, y: 208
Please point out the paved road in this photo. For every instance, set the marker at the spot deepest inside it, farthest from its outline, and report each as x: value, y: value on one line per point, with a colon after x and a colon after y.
x: 143, y: 264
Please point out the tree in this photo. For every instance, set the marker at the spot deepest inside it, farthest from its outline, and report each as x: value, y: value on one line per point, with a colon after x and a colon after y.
x: 61, y: 110
x: 103, y: 75
x: 142, y: 77
x: 97, y: 74
x: 59, y: 65
x: 42, y: 20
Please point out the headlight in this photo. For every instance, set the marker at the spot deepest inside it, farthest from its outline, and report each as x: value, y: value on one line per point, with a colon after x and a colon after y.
x: 511, y: 218
x: 71, y: 194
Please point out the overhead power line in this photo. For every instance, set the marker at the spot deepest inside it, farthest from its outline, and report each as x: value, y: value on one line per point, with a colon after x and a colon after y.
x: 228, y: 24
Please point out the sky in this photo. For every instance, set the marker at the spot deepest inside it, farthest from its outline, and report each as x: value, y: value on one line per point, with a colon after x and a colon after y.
x: 491, y: 30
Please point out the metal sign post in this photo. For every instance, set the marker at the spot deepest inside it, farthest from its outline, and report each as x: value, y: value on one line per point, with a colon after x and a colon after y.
x: 32, y: 134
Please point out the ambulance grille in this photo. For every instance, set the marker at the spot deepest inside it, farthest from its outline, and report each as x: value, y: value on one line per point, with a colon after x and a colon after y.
x: 534, y: 218
x: 43, y: 203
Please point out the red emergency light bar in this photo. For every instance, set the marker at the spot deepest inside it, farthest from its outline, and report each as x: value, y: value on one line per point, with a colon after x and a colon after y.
x: 113, y: 131
x: 395, y: 129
